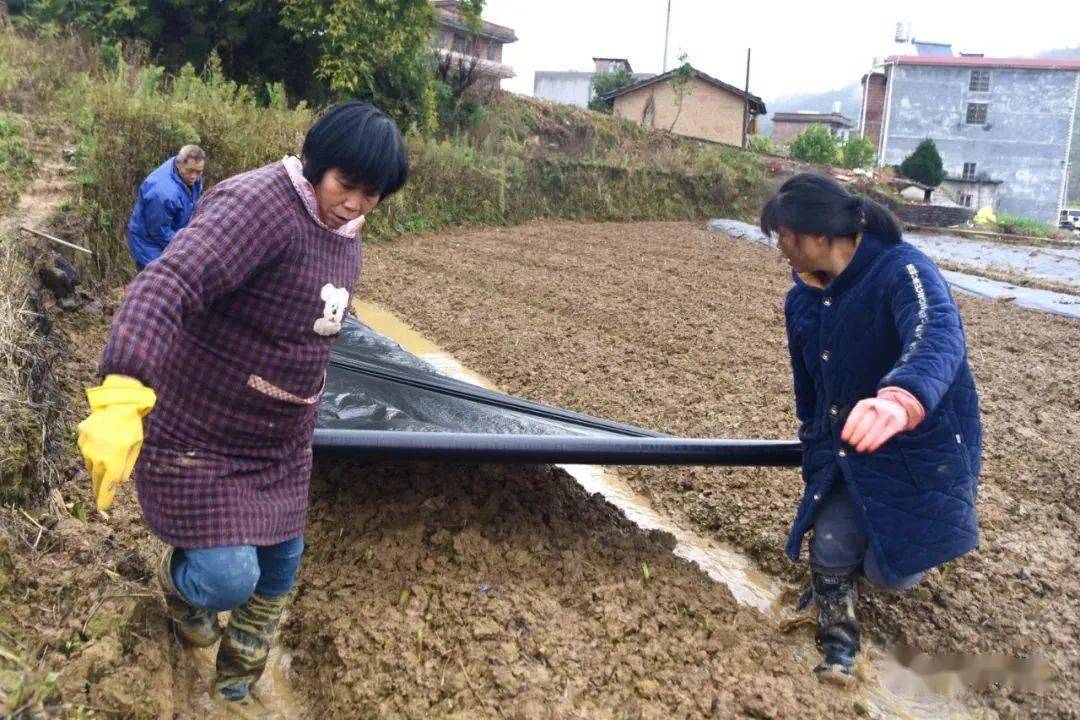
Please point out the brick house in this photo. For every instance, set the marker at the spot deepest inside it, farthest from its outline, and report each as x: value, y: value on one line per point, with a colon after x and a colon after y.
x: 485, y: 49
x: 711, y: 109
x: 789, y: 125
x: 1007, y: 129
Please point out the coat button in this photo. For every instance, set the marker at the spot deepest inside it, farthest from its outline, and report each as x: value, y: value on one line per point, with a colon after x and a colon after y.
x: 825, y: 355
x: 827, y: 302
x: 817, y: 496
x: 842, y: 452
x: 834, y: 410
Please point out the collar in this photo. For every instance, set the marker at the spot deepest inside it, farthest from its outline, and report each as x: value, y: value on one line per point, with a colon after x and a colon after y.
x: 304, y: 189
x: 870, y: 248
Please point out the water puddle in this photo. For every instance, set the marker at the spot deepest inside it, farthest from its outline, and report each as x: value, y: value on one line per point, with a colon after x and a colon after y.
x: 892, y: 691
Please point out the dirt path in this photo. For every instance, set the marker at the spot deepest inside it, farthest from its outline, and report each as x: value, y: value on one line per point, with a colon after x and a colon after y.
x: 669, y: 326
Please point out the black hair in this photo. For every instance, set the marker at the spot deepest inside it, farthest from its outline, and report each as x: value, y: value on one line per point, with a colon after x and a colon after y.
x: 813, y: 204
x: 361, y: 141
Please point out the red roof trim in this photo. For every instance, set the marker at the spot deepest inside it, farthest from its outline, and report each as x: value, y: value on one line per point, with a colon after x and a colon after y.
x: 986, y: 62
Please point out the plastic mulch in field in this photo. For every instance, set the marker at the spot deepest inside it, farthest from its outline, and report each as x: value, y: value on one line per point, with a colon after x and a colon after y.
x: 381, y: 402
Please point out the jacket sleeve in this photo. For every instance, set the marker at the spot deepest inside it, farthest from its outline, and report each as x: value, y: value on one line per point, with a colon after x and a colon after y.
x: 228, y: 240
x: 160, y: 215
x: 804, y: 384
x: 931, y: 336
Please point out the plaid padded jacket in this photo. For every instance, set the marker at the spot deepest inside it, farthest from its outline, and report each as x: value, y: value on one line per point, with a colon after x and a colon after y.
x: 232, y: 327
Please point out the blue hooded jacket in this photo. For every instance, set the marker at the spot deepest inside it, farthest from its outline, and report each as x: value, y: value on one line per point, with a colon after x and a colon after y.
x: 888, y: 320
x: 163, y: 207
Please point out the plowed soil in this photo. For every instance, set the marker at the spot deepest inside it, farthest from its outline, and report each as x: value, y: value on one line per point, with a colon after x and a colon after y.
x: 672, y: 327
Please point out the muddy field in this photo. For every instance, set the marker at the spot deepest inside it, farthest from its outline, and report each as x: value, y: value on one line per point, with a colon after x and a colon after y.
x: 672, y: 327
x: 509, y: 592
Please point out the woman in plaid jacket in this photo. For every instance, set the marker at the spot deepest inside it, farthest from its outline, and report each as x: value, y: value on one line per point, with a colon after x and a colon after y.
x: 222, y: 346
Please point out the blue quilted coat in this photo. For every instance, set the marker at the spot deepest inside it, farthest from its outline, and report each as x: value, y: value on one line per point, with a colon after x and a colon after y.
x: 888, y: 320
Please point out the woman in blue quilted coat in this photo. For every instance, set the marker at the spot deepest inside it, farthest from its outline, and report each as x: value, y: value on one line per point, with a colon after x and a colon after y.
x: 886, y: 400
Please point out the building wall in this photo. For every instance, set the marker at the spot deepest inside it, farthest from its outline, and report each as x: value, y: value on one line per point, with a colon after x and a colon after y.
x: 564, y: 87
x: 708, y: 112
x: 1072, y: 193
x: 784, y: 132
x: 982, y: 194
x: 1023, y: 142
x: 873, y: 108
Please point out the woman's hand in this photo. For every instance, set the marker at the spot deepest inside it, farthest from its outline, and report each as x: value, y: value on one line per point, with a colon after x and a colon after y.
x: 873, y: 422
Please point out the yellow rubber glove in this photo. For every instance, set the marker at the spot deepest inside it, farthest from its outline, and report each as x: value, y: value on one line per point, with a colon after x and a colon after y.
x: 110, y: 439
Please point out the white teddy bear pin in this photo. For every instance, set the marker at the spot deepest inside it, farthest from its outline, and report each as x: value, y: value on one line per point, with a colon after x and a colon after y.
x: 335, y: 301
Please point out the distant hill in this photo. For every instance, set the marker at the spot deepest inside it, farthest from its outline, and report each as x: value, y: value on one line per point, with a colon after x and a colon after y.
x: 849, y: 98
x: 1061, y: 54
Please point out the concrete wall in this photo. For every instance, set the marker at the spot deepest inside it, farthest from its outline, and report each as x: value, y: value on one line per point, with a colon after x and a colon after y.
x: 982, y: 194
x: 570, y: 88
x: 708, y: 112
x: 1023, y: 142
x: 1072, y: 198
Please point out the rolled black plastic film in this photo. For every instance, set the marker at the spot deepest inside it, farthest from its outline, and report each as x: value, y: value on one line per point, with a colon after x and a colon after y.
x: 544, y: 449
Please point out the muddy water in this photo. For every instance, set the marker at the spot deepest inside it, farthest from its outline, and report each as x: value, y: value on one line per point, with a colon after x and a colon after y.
x: 889, y: 690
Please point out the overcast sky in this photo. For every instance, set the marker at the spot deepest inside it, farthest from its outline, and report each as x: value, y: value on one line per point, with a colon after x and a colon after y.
x: 797, y: 46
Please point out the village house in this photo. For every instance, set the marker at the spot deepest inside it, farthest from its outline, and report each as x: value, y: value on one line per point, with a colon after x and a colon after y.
x: 484, y: 49
x: 1007, y: 129
x: 576, y: 87
x: 789, y: 125
x: 709, y: 110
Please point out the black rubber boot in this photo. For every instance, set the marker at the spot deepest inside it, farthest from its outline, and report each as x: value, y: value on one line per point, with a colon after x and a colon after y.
x: 838, y: 630
x: 195, y: 627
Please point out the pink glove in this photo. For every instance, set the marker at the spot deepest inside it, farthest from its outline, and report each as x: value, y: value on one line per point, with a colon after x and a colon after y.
x: 875, y: 420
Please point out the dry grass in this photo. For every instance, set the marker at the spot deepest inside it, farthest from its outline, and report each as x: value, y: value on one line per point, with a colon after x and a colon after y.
x: 21, y: 349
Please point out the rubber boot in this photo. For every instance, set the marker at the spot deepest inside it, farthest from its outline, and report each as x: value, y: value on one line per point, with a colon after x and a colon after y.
x: 838, y: 629
x: 244, y: 649
x: 195, y: 627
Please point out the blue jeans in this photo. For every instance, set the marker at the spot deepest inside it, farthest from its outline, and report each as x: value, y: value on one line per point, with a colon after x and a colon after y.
x: 223, y: 578
x: 839, y: 545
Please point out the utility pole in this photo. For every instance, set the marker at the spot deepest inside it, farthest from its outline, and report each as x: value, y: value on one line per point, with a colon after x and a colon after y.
x: 746, y: 100
x: 667, y: 31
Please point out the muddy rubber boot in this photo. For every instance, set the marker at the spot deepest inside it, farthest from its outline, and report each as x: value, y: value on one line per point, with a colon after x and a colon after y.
x: 243, y: 652
x: 838, y: 630
x: 195, y: 627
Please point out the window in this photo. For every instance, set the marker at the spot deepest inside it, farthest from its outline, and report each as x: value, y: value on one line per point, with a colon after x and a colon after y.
x: 491, y: 51
x: 980, y: 81
x: 964, y: 199
x: 460, y: 44
x: 976, y: 113
x: 969, y: 171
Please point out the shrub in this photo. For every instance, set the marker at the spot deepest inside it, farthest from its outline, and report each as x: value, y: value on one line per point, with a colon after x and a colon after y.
x: 816, y: 145
x: 763, y: 145
x: 924, y: 165
x: 16, y: 161
x: 135, y: 119
x: 857, y: 152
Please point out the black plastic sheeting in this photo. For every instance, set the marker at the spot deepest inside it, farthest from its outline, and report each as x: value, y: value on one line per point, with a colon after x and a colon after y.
x: 381, y: 402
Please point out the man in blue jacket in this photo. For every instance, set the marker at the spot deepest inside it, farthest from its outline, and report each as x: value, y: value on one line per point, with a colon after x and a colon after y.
x: 166, y: 200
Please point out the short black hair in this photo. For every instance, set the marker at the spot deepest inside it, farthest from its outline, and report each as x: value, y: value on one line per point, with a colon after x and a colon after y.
x: 813, y: 204
x: 363, y: 143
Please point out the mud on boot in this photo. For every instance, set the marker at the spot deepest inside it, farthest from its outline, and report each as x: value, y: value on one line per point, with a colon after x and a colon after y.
x: 244, y: 649
x: 838, y: 629
x: 194, y: 626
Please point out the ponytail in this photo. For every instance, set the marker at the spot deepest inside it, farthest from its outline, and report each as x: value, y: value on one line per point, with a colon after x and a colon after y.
x: 813, y: 204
